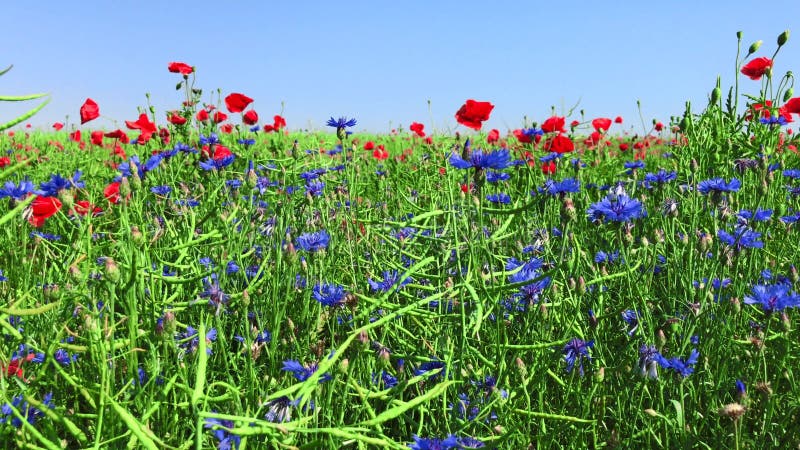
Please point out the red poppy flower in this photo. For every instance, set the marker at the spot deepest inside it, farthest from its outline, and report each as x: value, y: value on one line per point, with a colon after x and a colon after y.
x: 472, y: 114
x: 4, y: 161
x: 97, y: 137
x: 237, y: 102
x: 756, y: 68
x: 226, y: 128
x: 111, y: 192
x: 58, y: 126
x: 380, y: 153
x: 792, y: 106
x: 659, y: 126
x: 15, y: 366
x: 549, y: 168
x: 202, y: 116
x: 82, y: 208
x: 601, y: 124
x: 89, y: 111
x: 559, y: 144
x: 574, y: 124
x: 494, y: 136
x: 43, y: 208
x: 554, y: 124
x: 220, y: 116
x: 593, y: 139
x: 369, y: 145
x: 623, y: 146
x: 144, y: 125
x: 417, y: 128
x: 221, y: 152
x: 618, y: 119
x: 118, y: 134
x: 279, y: 122
x: 269, y: 128
x: 75, y: 135
x: 250, y: 117
x: 176, y: 119
x: 181, y: 68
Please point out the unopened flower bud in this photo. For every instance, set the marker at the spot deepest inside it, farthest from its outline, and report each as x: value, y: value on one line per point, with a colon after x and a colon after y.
x: 600, y: 375
x: 661, y: 337
x: 112, y: 270
x: 124, y: 188
x: 716, y: 94
x: 783, y: 38
x: 344, y: 365
x: 66, y: 197
x: 136, y: 236
x: 523, y: 371
x: 754, y: 47
x: 788, y: 95
x: 363, y: 337
x: 651, y: 412
x: 245, y: 298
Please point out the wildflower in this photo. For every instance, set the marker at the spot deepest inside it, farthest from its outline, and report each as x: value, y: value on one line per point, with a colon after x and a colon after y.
x: 632, y: 166
x: 683, y: 367
x: 2, y: 278
x: 389, y: 381
x: 226, y: 441
x: 500, y: 197
x: 341, y: 125
x: 189, y: 340
x: 742, y: 237
x: 430, y: 366
x: 279, y: 410
x: 575, y: 351
x: 161, y: 190
x: 616, y: 208
x: 602, y: 257
x: 330, y: 295
x: 564, y: 186
x: 498, y: 159
x: 659, y: 178
x: 89, y: 111
x: 495, y: 177
x: 450, y: 442
x: 303, y: 372
x: 715, y: 186
x: 648, y: 361
x: 473, y: 113
x: 601, y: 124
x: 559, y: 144
x: 756, y: 68
x: 180, y: 67
x: 314, y: 242
x: 774, y: 297
x: 17, y: 192
x: 236, y: 102
x: 390, y: 279
x: 213, y: 293
x: 631, y: 317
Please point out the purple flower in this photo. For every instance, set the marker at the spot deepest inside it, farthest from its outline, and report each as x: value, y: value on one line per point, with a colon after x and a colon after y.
x: 330, y: 295
x: 498, y: 159
x: 450, y: 442
x: 718, y: 185
x: 575, y: 351
x: 616, y: 208
x: 683, y: 367
x: 313, y: 242
x: 773, y: 297
x: 303, y: 372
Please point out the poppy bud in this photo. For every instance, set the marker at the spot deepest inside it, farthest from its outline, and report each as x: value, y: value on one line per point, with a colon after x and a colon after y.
x: 523, y: 371
x: 124, y: 188
x: 662, y: 338
x: 786, y: 322
x: 344, y: 365
x: 754, y: 47
x: 788, y: 94
x: 75, y: 273
x: 783, y: 38
x: 716, y: 93
x: 112, y: 270
x: 600, y: 375
x: 739, y: 35
x: 136, y: 236
x: 245, y: 298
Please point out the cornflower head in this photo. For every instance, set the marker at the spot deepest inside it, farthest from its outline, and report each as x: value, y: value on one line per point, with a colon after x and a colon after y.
x: 303, y: 371
x: 648, y: 361
x: 659, y: 178
x: 341, y: 125
x: 330, y: 295
x: 715, y: 187
x: 497, y: 160
x: 213, y: 293
x: 773, y: 297
x: 17, y: 192
x: 616, y: 208
x: 741, y: 238
x: 391, y: 279
x: 575, y: 351
x: 314, y: 242
x: 450, y: 442
x: 562, y: 187
x: 682, y: 366
x: 225, y: 440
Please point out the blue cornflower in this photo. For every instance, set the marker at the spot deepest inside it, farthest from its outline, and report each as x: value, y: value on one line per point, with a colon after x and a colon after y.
x: 575, y: 351
x: 58, y: 183
x: 213, y: 293
x: 161, y: 190
x: 63, y: 357
x: 631, y: 317
x: 246, y: 142
x: 761, y: 215
x: 528, y: 295
x: 335, y: 150
x: 602, y: 257
x: 564, y: 186
x: 553, y: 156
x: 470, y: 442
x: 683, y: 367
x: 500, y: 197
x: 343, y: 122
x: 216, y: 164
x: 390, y: 279
x: 2, y: 278
x: 773, y: 297
x: 45, y: 236
x: 648, y: 361
x: 330, y: 295
x: 498, y: 159
x: 741, y: 389
x: 314, y: 242
x: 496, y: 177
x: 742, y: 237
x: 430, y: 366
x: 189, y: 341
x: 303, y: 372
x: 210, y: 140
x: 529, y: 269
x: 633, y: 165
x: 17, y: 192
x: 616, y: 208
x: 792, y: 173
x: 315, y: 188
x: 773, y: 120
x: 226, y: 441
x: 389, y: 381
x: 718, y: 185
x: 659, y: 178
x: 181, y: 147
x: 231, y: 267
x: 450, y: 442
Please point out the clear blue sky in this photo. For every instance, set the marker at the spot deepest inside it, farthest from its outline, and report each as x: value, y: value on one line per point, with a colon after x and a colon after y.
x: 382, y: 61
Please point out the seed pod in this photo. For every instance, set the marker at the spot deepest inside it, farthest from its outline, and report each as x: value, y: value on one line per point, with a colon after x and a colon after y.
x: 783, y: 38
x: 754, y: 47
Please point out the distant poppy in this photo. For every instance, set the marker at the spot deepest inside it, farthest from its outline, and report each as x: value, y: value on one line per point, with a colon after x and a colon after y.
x: 5, y: 161
x: 237, y: 102
x: 494, y: 136
x: 97, y: 137
x: 111, y: 192
x: 756, y: 68
x: 549, y: 168
x: 75, y: 135
x: 472, y: 114
x: 523, y: 137
x: 554, y: 124
x: 623, y: 146
x: 220, y: 116
x: 250, y: 117
x: 618, y: 119
x: 176, y: 119
x: 574, y: 124
x: 89, y: 111
x: 369, y: 145
x: 559, y: 144
x: 202, y: 116
x: 601, y: 124
x: 58, y: 126
x: 417, y: 128
x: 117, y: 134
x: 226, y: 128
x: 221, y: 152
x: 659, y: 126
x: 279, y: 122
x: 380, y: 153
x: 82, y: 207
x: 181, y: 68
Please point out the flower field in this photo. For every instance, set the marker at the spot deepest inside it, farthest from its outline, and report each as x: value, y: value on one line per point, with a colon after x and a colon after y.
x: 206, y: 278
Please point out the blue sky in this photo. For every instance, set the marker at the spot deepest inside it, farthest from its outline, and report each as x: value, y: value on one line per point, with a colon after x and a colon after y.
x: 381, y: 62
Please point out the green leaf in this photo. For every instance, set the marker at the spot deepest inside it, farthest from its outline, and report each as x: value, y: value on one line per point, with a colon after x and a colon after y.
x: 20, y: 98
